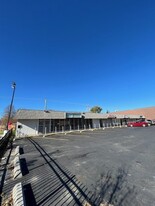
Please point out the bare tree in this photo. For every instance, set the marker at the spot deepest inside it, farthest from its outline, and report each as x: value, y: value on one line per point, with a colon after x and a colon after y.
x: 6, y: 114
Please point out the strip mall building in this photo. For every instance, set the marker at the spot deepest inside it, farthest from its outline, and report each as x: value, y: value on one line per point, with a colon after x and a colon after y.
x: 37, y: 122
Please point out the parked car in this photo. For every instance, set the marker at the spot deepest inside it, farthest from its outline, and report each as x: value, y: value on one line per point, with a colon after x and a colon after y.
x: 153, y: 122
x: 138, y: 124
x: 150, y: 122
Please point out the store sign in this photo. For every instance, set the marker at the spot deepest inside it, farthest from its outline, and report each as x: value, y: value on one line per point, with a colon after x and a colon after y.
x: 73, y: 115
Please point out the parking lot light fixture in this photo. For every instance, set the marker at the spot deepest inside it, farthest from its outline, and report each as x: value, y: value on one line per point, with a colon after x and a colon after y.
x: 14, y: 87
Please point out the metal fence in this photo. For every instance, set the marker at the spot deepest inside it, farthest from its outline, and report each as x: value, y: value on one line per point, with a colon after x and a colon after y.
x: 4, y: 142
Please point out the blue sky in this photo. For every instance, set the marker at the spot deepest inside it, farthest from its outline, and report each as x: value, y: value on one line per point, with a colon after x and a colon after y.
x: 77, y: 54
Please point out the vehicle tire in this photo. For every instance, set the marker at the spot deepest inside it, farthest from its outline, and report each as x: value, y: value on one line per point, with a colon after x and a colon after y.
x: 131, y: 125
x: 144, y: 125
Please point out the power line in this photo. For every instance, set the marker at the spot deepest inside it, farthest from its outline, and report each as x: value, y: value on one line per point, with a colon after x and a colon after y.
x: 49, y: 100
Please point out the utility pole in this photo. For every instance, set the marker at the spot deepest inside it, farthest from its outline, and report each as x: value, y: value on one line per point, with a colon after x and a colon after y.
x: 14, y: 87
x: 45, y: 106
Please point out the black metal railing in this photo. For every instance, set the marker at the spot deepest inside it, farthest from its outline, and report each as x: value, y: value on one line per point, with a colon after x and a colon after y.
x: 4, y: 142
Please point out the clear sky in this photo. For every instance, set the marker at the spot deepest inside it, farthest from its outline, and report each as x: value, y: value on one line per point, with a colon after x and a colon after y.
x: 77, y: 54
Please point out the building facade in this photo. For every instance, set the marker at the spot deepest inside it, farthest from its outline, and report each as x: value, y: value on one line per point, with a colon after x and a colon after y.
x: 40, y: 122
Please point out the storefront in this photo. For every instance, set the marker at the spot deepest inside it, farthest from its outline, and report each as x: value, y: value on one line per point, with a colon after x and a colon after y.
x: 39, y: 122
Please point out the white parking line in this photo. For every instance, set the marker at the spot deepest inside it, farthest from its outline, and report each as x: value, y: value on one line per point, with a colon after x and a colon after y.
x: 77, y: 135
x: 54, y: 138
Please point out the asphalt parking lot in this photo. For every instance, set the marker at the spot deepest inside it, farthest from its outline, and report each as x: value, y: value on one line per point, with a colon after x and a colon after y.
x: 118, y: 164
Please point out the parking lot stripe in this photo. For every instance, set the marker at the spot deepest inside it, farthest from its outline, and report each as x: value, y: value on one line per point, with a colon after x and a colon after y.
x: 54, y: 138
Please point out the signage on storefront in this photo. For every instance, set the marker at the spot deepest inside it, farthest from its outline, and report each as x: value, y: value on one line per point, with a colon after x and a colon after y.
x: 73, y: 115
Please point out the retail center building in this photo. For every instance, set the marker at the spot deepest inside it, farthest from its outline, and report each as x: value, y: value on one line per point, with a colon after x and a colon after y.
x: 40, y: 122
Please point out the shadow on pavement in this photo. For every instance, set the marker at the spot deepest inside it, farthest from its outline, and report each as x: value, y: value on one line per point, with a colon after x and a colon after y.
x: 28, y: 194
x: 24, y: 167
x: 60, y: 187
x: 114, y: 189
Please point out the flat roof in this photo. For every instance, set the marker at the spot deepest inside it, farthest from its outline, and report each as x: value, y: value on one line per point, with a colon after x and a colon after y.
x: 52, y: 114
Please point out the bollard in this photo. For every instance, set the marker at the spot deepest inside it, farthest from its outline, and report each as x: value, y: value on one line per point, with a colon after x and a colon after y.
x: 55, y: 129
x: 62, y: 129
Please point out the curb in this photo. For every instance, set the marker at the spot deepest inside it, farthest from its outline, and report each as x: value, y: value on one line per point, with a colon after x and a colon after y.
x: 17, y: 168
x: 18, y: 195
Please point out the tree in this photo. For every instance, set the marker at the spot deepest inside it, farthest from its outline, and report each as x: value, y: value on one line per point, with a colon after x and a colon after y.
x: 6, y: 114
x: 96, y: 109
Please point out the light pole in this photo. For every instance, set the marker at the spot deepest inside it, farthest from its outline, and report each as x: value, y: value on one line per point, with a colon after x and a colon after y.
x: 14, y: 87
